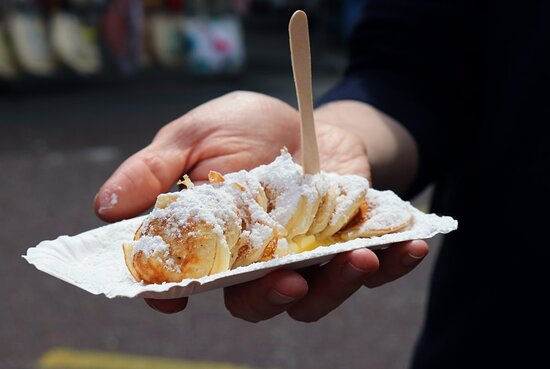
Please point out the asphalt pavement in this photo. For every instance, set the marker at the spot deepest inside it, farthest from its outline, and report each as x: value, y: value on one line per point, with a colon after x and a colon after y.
x: 56, y: 149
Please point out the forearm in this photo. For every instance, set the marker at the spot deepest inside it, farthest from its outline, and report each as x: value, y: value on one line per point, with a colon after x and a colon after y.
x: 391, y: 150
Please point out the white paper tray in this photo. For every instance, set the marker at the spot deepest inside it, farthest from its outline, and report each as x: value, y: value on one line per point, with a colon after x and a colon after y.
x: 94, y: 260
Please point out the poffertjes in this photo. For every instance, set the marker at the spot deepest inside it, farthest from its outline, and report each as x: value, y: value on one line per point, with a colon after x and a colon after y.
x: 251, y: 216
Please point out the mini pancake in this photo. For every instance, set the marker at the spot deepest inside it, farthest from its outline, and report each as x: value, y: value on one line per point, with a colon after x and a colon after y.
x: 382, y: 212
x: 352, y: 191
x: 292, y: 199
x: 252, y: 244
x: 246, y: 217
x: 189, y: 234
x: 258, y: 230
x: 303, y: 215
x: 249, y: 251
x: 328, y: 191
x: 160, y: 254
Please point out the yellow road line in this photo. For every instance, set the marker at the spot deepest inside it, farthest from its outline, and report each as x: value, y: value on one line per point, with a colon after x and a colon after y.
x: 61, y: 358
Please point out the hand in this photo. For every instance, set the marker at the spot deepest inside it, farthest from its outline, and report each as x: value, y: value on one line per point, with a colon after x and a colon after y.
x: 242, y: 130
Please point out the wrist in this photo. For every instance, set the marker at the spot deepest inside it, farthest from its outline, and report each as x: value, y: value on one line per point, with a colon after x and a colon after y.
x: 391, y: 150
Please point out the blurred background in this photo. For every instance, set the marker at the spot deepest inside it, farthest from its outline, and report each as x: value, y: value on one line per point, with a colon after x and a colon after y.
x: 86, y: 83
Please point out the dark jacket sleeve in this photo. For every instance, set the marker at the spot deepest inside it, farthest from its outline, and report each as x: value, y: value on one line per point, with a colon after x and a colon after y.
x: 408, y: 59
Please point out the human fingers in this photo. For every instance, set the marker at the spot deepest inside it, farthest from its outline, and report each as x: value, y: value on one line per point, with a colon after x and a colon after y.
x: 170, y: 306
x: 331, y: 284
x: 266, y: 297
x: 398, y: 260
x: 134, y: 186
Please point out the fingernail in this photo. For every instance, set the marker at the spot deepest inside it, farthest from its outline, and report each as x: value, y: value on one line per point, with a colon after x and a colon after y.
x: 416, y: 256
x: 277, y: 298
x: 107, y: 198
x: 152, y: 305
x: 412, y: 259
x: 351, y: 273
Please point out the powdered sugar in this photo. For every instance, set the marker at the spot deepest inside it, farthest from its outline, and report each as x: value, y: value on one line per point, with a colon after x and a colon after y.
x: 259, y: 233
x: 261, y: 203
x: 150, y: 246
x: 387, y: 211
x: 352, y: 189
x: 200, y: 204
x: 284, y: 184
x: 114, y: 199
x: 251, y: 203
x: 319, y: 181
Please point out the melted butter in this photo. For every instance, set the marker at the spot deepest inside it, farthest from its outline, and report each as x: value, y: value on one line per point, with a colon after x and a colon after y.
x: 309, y: 242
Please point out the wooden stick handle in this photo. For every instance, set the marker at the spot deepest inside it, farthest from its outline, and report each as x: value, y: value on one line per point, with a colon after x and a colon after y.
x: 301, y: 67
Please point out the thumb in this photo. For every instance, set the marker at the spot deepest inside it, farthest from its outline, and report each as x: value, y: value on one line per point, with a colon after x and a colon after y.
x: 135, y: 185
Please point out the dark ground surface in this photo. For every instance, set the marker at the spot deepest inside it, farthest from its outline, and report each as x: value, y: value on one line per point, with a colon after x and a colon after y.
x: 57, y: 148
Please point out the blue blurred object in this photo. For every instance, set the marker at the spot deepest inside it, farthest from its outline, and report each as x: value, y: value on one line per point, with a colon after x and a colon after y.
x: 351, y: 11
